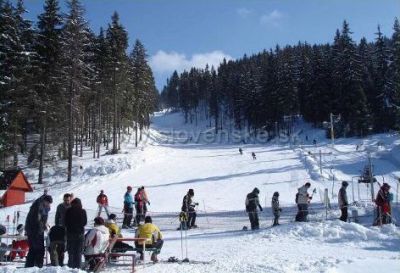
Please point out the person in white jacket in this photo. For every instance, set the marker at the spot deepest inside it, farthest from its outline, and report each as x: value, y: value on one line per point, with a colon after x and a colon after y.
x: 302, y: 200
x: 96, y: 242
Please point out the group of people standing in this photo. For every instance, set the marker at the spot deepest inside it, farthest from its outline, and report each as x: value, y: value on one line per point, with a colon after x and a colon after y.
x: 68, y: 233
x: 138, y: 202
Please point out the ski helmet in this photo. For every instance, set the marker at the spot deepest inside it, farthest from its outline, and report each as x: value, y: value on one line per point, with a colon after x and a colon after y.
x: 345, y: 183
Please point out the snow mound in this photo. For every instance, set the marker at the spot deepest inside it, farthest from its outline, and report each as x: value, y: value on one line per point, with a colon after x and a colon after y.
x: 52, y: 269
x: 109, y: 166
x: 337, y: 232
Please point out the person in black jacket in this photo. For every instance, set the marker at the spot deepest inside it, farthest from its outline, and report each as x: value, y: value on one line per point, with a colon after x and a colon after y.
x: 57, y: 245
x: 75, y: 221
x: 343, y: 201
x: 35, y: 225
x: 188, y: 206
x: 252, y: 203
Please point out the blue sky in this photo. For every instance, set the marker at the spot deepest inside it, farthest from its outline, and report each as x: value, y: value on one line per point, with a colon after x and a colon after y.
x: 179, y: 34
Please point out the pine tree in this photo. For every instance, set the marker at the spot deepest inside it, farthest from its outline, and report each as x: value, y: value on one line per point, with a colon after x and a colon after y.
x: 74, y: 40
x: 117, y: 39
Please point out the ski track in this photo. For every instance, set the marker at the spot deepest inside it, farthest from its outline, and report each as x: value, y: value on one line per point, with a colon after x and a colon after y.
x: 221, y: 178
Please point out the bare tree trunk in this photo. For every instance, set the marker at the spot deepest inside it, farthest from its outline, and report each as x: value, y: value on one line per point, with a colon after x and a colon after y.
x: 70, y: 132
x: 15, y: 148
x: 82, y: 136
x: 42, y: 150
x: 100, y: 130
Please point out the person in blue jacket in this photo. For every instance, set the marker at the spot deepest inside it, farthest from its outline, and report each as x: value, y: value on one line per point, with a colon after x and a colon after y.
x: 128, y: 208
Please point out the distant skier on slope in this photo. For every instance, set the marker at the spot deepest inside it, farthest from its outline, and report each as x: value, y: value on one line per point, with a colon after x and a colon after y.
x: 383, y: 205
x: 253, y: 154
x: 141, y: 202
x: 276, y: 210
x: 252, y: 203
x: 188, y: 207
x: 102, y: 201
x: 128, y: 208
x: 240, y: 151
x: 343, y: 201
x: 303, y: 199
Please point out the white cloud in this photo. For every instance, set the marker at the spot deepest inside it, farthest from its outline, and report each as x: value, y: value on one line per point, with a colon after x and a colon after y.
x: 164, y: 62
x: 243, y: 12
x: 271, y: 19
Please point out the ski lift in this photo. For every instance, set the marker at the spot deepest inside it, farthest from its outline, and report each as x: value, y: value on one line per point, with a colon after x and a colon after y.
x: 366, y: 175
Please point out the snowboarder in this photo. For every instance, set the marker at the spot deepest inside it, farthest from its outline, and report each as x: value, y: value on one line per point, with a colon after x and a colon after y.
x: 253, y: 155
x: 240, y: 151
x: 383, y: 205
x: 141, y: 202
x: 61, y: 209
x: 314, y: 142
x: 152, y: 234
x: 96, y: 242
x: 35, y: 225
x: 276, y: 210
x: 57, y: 245
x: 128, y: 208
x: 75, y: 222
x: 188, y: 206
x: 252, y: 203
x: 102, y: 201
x: 302, y: 200
x: 343, y: 201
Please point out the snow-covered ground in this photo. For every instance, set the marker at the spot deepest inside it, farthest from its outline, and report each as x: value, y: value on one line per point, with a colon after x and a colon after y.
x: 170, y: 162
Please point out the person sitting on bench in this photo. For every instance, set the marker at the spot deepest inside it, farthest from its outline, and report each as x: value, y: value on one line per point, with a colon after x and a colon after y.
x: 20, y: 245
x: 96, y: 242
x: 153, y: 237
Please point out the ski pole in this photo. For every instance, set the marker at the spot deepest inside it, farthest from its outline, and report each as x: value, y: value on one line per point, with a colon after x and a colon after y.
x: 182, y: 239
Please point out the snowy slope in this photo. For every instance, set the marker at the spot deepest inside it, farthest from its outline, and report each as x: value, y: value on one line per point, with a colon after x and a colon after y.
x: 221, y: 178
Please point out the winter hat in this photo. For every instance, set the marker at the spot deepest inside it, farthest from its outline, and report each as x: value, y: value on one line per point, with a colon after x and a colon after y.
x: 148, y: 219
x: 48, y: 198
x: 20, y: 228
x: 256, y: 190
x: 276, y: 193
x: 112, y: 216
x: 386, y: 186
x: 345, y: 183
x: 191, y: 192
x: 98, y: 221
x: 129, y: 188
x: 101, y: 191
x: 308, y: 184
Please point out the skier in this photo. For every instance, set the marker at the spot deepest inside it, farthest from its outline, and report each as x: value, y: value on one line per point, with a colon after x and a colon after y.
x: 57, y: 245
x: 35, y: 225
x: 252, y: 203
x: 276, y: 210
x: 128, y: 208
x: 59, y: 220
x: 96, y: 242
x: 383, y: 205
x: 75, y: 222
x: 141, y: 201
x: 302, y: 200
x: 253, y: 155
x: 343, y: 202
x: 102, y: 201
x: 240, y: 151
x: 152, y: 234
x: 188, y: 206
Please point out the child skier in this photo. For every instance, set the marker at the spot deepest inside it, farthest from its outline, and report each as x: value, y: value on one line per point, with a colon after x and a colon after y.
x: 276, y: 210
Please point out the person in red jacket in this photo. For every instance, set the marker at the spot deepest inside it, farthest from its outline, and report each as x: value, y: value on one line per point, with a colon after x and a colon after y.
x: 20, y: 245
x: 102, y: 201
x: 383, y: 206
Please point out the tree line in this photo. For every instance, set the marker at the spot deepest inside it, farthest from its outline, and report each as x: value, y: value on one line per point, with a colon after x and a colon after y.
x: 358, y: 82
x: 63, y: 87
